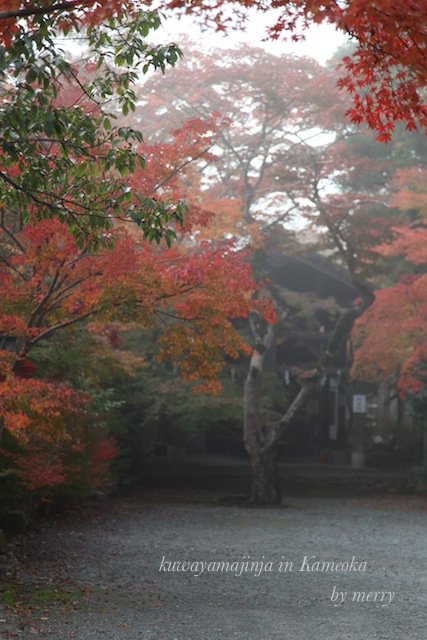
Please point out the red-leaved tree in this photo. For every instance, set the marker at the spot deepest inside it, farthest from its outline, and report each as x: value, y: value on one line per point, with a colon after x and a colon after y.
x: 391, y: 336
x: 49, y: 283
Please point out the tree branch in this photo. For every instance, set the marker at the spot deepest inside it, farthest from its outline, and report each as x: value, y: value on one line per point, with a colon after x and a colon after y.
x: 50, y: 330
x: 69, y: 5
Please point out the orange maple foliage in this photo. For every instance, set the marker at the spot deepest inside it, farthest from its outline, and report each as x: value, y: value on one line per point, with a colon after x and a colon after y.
x: 391, y: 336
x: 51, y: 284
x: 47, y: 284
x: 43, y: 417
x: 411, y: 191
x: 37, y: 408
x: 38, y: 468
x: 219, y: 273
x: 172, y: 171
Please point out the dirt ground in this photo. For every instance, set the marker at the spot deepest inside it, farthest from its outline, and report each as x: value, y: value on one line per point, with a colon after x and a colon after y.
x: 172, y: 566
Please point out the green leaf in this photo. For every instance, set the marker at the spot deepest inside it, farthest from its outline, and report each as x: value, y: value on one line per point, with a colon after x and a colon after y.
x: 90, y: 165
x: 31, y: 75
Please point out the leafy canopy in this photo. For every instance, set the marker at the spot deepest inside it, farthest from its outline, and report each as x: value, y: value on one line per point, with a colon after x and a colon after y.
x: 391, y: 336
x: 63, y: 155
x: 385, y: 73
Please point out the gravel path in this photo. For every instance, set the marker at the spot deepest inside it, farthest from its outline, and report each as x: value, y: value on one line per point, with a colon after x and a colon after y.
x: 111, y: 576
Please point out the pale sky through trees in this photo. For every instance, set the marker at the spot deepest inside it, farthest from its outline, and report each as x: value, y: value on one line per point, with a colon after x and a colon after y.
x: 321, y: 41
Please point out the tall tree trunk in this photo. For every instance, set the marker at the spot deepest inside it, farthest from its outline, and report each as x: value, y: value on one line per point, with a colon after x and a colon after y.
x: 262, y: 454
x: 261, y: 439
x: 265, y: 485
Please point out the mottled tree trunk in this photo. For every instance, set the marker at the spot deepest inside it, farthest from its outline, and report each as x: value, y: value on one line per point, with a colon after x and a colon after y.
x: 265, y: 485
x: 261, y: 439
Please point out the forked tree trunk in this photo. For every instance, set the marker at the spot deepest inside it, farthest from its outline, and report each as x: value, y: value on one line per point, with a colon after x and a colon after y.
x: 265, y: 485
x: 261, y: 439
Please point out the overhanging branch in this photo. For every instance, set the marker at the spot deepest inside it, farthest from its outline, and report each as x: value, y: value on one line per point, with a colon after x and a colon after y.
x: 68, y: 6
